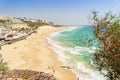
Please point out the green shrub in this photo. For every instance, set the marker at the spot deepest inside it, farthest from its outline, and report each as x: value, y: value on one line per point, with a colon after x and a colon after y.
x: 3, y: 67
x: 107, y: 29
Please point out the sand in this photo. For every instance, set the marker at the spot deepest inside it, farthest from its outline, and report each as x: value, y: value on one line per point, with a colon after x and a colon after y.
x: 34, y: 53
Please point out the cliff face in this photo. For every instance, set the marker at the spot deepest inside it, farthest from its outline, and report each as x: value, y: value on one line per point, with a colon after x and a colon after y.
x: 25, y: 75
x: 10, y: 19
x: 4, y: 17
x: 12, y: 22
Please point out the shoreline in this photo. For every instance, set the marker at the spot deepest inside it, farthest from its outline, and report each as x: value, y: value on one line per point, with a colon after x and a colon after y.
x: 34, y: 53
x: 81, y: 69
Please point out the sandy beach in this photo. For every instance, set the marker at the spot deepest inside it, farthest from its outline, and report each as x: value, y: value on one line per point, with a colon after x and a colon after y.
x: 34, y: 53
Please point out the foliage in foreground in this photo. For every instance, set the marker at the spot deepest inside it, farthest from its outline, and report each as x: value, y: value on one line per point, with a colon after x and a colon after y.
x: 3, y: 65
x: 25, y: 75
x: 107, y: 29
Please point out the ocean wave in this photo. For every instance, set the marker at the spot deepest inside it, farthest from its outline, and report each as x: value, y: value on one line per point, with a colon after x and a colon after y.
x: 78, y: 68
x: 93, y: 74
x: 59, y: 33
x: 58, y: 49
x: 88, y: 49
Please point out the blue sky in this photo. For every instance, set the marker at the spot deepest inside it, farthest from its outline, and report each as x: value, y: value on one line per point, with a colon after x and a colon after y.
x: 68, y: 12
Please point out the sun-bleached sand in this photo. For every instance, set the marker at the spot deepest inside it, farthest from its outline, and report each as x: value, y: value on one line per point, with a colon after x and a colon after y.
x: 34, y: 53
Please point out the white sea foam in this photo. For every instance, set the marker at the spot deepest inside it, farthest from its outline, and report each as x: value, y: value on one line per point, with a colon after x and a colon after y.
x: 93, y: 74
x: 58, y: 49
x: 58, y: 33
x: 90, y: 50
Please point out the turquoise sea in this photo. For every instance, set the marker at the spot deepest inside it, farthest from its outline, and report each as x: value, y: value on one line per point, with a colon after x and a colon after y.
x: 75, y: 48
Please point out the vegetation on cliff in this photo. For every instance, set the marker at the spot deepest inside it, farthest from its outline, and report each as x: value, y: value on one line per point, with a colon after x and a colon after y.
x: 107, y: 29
x: 3, y: 65
x: 35, y: 24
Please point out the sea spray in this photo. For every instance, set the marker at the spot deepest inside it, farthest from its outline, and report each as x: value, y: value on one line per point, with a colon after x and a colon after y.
x: 58, y: 49
x: 79, y: 65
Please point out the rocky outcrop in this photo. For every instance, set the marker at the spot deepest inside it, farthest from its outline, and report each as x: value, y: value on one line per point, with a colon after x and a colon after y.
x: 10, y: 19
x: 25, y: 75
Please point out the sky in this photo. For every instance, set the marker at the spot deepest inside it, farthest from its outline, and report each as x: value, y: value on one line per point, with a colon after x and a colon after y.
x: 64, y: 12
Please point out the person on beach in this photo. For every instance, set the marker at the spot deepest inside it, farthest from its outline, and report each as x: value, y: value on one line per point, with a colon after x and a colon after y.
x: 48, y: 67
x: 53, y: 70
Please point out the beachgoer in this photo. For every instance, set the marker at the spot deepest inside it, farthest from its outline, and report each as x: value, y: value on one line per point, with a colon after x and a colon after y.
x: 53, y: 70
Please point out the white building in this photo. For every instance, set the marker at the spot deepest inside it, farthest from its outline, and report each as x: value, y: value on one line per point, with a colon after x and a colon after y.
x: 3, y: 32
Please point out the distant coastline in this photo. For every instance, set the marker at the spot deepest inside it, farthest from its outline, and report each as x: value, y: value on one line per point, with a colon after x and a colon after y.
x: 69, y: 25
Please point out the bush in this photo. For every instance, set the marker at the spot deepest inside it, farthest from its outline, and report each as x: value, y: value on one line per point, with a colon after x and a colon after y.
x: 3, y: 65
x: 107, y: 29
